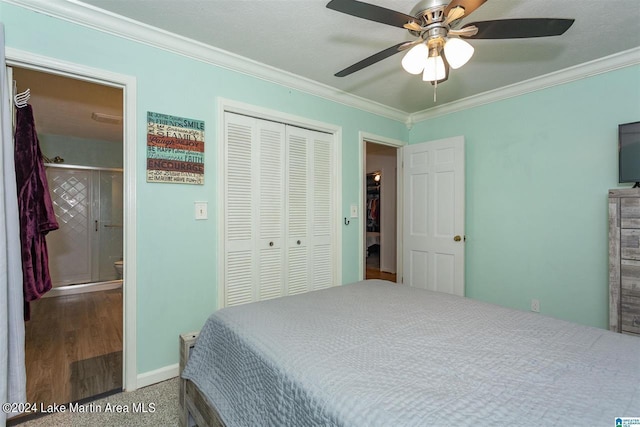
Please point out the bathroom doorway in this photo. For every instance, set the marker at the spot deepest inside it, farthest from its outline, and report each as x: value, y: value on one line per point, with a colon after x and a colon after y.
x: 74, y: 339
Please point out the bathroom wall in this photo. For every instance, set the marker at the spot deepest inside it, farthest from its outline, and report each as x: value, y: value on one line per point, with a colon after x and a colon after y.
x: 80, y: 151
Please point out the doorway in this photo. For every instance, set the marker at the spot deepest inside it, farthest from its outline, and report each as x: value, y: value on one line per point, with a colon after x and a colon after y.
x: 380, y: 211
x: 74, y: 340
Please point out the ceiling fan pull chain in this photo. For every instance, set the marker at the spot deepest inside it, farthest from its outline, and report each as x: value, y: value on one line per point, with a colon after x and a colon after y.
x: 435, y: 89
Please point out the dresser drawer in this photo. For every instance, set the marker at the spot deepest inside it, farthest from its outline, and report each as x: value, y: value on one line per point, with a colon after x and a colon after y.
x: 630, y: 243
x: 630, y: 313
x: 630, y: 277
x: 630, y: 212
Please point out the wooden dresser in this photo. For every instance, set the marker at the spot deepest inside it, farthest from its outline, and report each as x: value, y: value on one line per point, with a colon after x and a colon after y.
x: 624, y: 260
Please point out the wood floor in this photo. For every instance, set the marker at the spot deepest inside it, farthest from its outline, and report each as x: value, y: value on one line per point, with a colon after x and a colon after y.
x: 74, y: 347
x: 372, y: 273
x: 373, y: 268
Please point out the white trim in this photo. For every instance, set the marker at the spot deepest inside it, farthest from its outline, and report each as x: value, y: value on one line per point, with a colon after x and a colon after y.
x: 111, y: 23
x: 588, y: 69
x: 158, y: 375
x: 362, y: 154
x: 400, y: 216
x: 232, y: 106
x: 227, y: 105
x: 59, y: 291
x: 221, y: 196
x: 19, y: 58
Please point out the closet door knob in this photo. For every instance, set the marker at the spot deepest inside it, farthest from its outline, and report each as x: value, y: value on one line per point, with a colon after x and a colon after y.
x: 270, y: 243
x: 298, y: 242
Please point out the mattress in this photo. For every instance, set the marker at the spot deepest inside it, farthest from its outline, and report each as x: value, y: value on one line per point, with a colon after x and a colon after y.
x: 375, y: 353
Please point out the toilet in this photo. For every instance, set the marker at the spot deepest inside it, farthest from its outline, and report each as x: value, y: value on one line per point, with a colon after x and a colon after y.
x: 118, y: 266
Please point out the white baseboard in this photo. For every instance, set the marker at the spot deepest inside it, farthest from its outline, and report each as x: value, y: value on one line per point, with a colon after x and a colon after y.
x: 158, y: 375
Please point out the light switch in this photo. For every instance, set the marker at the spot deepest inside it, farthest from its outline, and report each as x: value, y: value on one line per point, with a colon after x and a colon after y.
x: 354, y: 211
x: 201, y: 210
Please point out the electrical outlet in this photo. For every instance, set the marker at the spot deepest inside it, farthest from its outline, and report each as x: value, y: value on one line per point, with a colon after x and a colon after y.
x: 535, y: 305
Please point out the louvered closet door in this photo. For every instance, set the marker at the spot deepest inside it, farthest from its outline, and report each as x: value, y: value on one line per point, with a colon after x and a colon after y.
x: 240, y: 227
x: 254, y: 201
x: 297, y: 212
x: 309, y: 206
x: 322, y: 220
x: 278, y: 210
x: 269, y: 189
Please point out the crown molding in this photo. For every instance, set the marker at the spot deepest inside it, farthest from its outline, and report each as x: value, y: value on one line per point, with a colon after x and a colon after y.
x: 602, y: 65
x: 92, y: 17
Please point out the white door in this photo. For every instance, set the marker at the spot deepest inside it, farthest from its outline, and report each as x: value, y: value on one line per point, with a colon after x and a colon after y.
x: 433, y: 215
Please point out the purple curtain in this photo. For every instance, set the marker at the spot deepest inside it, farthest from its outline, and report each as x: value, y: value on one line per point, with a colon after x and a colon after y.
x: 37, y: 217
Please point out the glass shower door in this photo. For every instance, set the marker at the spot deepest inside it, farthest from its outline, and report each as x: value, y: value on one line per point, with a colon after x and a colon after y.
x: 108, y: 222
x: 88, y: 203
x: 70, y: 247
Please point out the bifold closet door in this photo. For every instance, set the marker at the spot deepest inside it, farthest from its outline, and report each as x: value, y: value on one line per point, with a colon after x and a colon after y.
x: 254, y: 208
x: 309, y: 206
x: 270, y: 193
x: 278, y: 203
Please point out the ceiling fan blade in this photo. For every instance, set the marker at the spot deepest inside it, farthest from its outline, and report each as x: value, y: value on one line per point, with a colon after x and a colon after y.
x: 370, y: 60
x: 468, y: 5
x: 371, y: 12
x: 455, y: 13
x: 520, y: 28
x: 413, y: 26
x: 468, y: 31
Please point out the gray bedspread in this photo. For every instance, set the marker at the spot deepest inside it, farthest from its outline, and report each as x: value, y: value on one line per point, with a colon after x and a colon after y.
x: 379, y: 354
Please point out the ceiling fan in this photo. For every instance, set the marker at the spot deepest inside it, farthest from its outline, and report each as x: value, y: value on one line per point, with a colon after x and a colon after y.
x: 439, y: 43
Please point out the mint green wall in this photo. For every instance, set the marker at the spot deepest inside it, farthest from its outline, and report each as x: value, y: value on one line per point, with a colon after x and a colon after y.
x: 538, y: 168
x: 81, y: 151
x: 176, y: 255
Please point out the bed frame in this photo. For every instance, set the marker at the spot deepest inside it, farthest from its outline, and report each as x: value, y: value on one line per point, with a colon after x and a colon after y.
x: 194, y: 407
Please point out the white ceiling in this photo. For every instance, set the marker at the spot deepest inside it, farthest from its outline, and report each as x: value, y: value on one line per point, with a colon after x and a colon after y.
x: 64, y: 106
x: 305, y: 38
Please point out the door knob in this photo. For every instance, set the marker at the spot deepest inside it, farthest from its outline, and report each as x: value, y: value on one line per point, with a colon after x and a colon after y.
x: 457, y: 238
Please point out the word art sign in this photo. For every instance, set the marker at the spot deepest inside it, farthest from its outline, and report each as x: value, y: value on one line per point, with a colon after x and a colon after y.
x: 175, y: 149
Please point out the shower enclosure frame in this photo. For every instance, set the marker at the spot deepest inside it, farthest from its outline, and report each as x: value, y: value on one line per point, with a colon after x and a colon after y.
x: 92, y: 203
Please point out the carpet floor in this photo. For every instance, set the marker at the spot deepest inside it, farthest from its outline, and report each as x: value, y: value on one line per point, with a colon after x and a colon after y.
x: 155, y: 405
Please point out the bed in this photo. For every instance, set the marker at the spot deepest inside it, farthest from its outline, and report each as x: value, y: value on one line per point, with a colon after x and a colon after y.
x: 375, y: 353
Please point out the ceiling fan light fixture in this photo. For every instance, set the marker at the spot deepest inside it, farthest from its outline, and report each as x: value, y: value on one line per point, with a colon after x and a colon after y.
x: 434, y: 69
x: 415, y: 60
x: 458, y: 52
